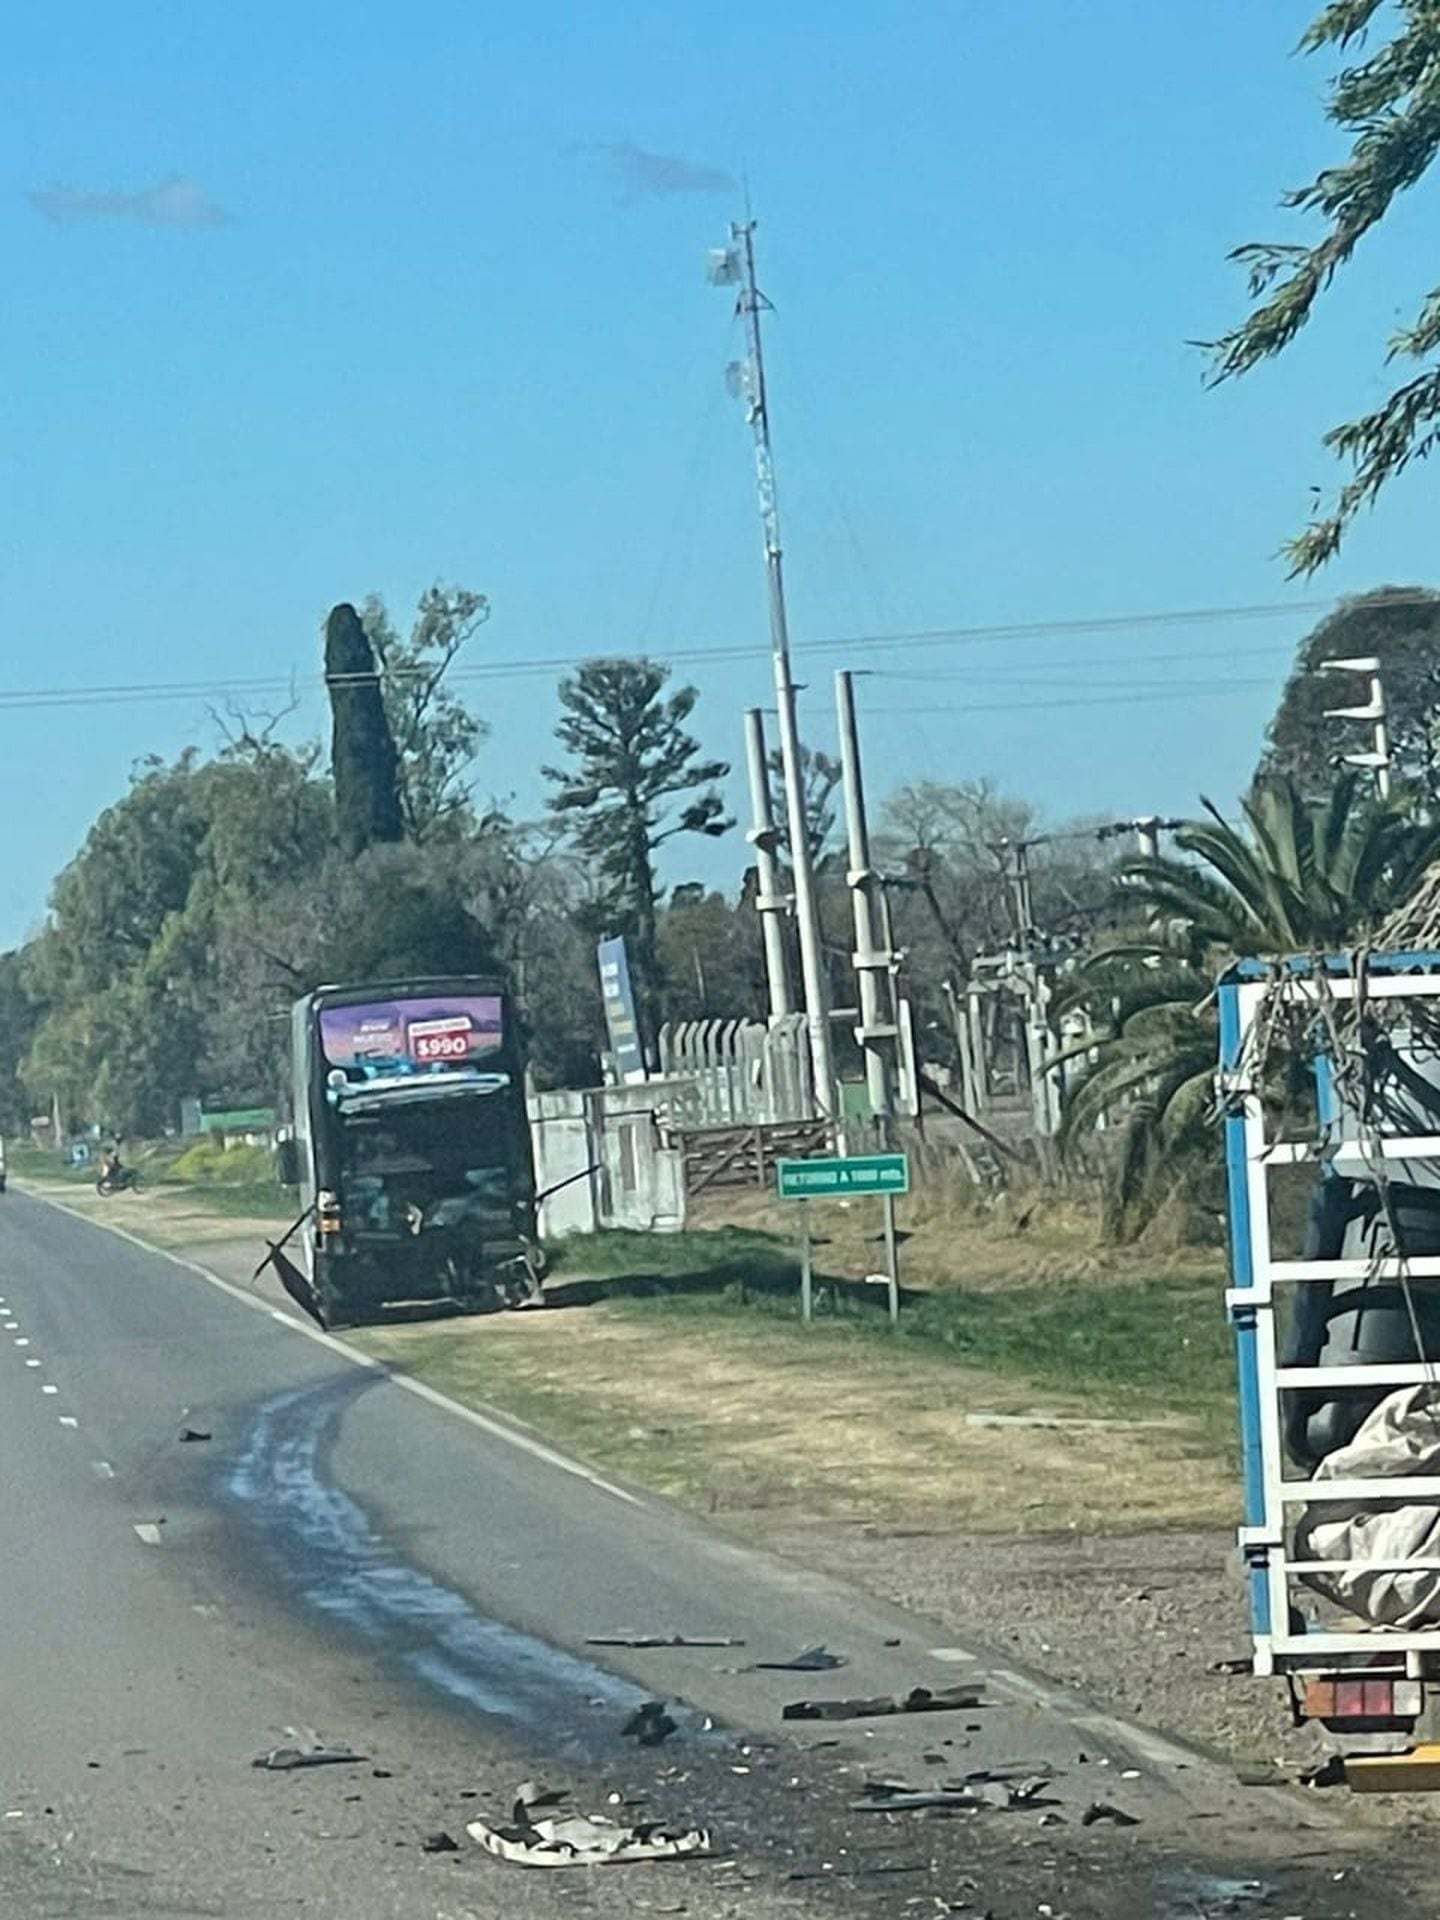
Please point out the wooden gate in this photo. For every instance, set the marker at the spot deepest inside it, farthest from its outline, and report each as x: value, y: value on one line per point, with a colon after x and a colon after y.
x: 746, y: 1156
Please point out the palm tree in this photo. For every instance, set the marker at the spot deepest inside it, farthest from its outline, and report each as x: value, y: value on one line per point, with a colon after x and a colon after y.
x: 1299, y: 876
x: 1310, y: 875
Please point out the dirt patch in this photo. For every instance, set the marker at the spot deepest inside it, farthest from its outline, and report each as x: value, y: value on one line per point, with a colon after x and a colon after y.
x: 737, y: 1416
x: 1140, y: 1622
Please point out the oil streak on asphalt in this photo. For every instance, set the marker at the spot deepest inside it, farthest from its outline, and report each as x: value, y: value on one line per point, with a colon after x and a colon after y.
x: 324, y: 1546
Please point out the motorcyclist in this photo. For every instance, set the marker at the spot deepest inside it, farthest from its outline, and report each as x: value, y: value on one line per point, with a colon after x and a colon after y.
x: 110, y: 1168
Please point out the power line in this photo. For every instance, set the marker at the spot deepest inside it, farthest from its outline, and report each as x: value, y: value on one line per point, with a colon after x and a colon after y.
x: 717, y: 655
x: 1205, y: 690
x: 1083, y: 663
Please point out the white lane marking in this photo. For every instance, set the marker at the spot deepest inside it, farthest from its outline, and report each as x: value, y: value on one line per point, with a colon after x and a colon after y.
x: 12, y: 1326
x: 68, y: 1420
x: 33, y: 1363
x: 22, y: 1341
x: 952, y: 1656
x: 1150, y: 1746
x: 47, y: 1388
x: 1029, y: 1690
x: 103, y: 1469
x: 498, y: 1429
x: 148, y: 1532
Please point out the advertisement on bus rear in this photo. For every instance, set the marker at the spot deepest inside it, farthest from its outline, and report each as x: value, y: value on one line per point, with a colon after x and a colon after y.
x: 396, y: 1039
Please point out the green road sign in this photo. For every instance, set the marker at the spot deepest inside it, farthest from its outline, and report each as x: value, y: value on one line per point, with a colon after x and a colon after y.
x: 829, y: 1179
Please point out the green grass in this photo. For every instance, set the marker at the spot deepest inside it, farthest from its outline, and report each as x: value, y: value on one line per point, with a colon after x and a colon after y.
x: 1137, y: 1345
x: 237, y: 1184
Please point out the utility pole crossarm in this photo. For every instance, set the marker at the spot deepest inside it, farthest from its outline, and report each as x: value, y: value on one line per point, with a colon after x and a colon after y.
x: 1375, y: 710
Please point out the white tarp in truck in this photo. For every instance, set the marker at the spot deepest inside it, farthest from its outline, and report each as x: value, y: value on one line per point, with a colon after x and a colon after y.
x: 1400, y: 1437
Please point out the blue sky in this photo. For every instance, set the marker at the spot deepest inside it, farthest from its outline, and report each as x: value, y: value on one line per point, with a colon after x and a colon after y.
x: 440, y: 338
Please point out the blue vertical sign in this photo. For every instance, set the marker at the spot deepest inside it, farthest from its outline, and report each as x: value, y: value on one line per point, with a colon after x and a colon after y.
x: 619, y: 998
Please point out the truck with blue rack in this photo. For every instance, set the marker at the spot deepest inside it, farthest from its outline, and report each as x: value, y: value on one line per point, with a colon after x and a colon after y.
x: 1330, y: 1079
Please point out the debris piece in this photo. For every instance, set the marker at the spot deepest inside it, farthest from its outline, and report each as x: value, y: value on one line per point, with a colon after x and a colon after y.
x: 441, y: 1842
x: 979, y: 1790
x: 893, y: 1643
x: 1099, y: 1810
x: 918, y: 1700
x: 661, y: 1640
x: 911, y: 1802
x: 190, y: 1434
x: 809, y: 1660
x: 286, y: 1759
x: 381, y: 1773
x: 1245, y: 1664
x: 649, y: 1724
x: 530, y: 1793
x: 295, y: 1282
x: 583, y: 1840
x: 1329, y: 1773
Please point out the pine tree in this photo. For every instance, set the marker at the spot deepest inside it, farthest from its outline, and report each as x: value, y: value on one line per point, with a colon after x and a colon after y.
x: 636, y: 780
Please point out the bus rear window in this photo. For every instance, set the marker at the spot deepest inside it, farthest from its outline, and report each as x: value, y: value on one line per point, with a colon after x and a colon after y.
x: 392, y: 1039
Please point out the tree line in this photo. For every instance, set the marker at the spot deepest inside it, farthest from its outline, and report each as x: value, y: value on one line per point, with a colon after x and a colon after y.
x: 221, y: 885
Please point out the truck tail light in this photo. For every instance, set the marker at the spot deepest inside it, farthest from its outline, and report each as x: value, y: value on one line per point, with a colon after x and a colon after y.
x: 327, y: 1211
x: 1353, y: 1697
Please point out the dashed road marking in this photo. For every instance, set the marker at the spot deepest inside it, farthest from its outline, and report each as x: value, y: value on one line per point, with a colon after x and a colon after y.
x: 22, y: 1341
x: 47, y: 1388
x: 33, y: 1363
x: 148, y: 1532
x: 68, y: 1420
x: 103, y: 1469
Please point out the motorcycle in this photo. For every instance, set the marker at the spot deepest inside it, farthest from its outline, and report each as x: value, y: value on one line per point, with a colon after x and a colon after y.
x: 117, y: 1179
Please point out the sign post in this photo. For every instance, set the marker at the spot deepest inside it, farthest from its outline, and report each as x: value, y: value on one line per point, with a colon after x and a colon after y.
x: 807, y: 1302
x: 885, y: 1174
x: 892, y: 1259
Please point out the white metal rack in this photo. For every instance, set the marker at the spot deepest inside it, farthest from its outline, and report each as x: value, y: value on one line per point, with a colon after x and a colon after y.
x: 1275, y: 1488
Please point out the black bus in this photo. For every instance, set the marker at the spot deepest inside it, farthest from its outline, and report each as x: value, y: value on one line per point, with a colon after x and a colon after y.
x: 410, y: 1146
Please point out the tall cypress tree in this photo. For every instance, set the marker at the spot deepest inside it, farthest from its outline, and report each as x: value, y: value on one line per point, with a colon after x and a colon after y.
x: 362, y: 754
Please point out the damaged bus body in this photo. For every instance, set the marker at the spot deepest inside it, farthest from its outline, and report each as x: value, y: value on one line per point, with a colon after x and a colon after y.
x: 410, y: 1147
x: 1338, y: 1341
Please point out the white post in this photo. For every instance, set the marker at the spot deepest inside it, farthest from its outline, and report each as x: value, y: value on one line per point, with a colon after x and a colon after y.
x: 770, y: 903
x: 876, y: 1031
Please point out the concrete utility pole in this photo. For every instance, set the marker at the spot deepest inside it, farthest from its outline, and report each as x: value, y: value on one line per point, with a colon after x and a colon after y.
x: 1015, y: 859
x: 1375, y: 711
x: 878, y: 1031
x: 731, y: 265
x: 1147, y: 837
x: 770, y: 903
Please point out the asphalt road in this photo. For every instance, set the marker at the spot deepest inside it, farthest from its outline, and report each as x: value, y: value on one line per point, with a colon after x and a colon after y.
x: 348, y: 1556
